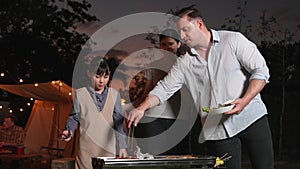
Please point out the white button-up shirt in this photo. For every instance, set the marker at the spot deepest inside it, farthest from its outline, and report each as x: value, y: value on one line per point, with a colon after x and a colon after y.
x: 233, y: 61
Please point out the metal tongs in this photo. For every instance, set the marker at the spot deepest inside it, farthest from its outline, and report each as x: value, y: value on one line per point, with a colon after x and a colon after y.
x: 130, y: 141
x: 136, y: 150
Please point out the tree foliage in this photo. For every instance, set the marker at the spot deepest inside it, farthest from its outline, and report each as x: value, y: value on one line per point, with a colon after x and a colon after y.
x: 38, y: 39
x: 281, y: 51
x: 239, y: 22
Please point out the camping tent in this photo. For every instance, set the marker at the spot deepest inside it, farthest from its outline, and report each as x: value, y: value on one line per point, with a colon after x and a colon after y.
x: 53, y: 103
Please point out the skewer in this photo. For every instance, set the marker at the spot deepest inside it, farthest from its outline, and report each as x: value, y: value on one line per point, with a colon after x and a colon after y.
x: 224, y: 156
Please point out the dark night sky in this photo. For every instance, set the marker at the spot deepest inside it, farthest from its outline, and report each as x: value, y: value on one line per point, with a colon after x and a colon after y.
x: 214, y: 12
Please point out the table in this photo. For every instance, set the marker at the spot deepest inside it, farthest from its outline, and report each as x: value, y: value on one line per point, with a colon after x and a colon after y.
x: 166, y: 162
x: 15, y: 161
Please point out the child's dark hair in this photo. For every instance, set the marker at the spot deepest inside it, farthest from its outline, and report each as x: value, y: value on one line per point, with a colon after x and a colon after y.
x: 99, y: 66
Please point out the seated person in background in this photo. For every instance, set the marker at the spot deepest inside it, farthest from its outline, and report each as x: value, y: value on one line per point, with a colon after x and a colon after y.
x: 11, y: 134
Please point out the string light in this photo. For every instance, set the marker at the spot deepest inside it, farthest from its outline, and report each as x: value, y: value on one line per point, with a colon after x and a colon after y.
x: 2, y: 74
x: 11, y: 110
x: 26, y: 104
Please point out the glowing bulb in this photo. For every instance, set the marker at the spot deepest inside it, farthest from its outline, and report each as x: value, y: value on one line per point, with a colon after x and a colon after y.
x: 2, y: 74
x: 10, y: 111
x: 21, y: 109
x: 36, y: 84
x: 123, y: 101
x: 21, y: 80
x: 1, y: 107
x: 28, y: 104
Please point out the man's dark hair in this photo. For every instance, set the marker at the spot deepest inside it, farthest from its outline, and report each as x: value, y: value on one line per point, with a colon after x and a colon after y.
x: 12, y: 117
x: 191, y: 11
x: 99, y: 66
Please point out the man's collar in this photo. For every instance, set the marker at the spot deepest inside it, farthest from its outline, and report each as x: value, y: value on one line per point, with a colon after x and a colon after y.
x: 215, y: 38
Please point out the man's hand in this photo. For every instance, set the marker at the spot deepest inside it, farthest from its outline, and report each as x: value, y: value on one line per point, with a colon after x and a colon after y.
x: 134, y: 117
x: 136, y: 114
x: 255, y: 86
x: 240, y: 104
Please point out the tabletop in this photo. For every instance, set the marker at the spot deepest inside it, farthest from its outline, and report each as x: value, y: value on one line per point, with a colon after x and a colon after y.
x: 16, y: 161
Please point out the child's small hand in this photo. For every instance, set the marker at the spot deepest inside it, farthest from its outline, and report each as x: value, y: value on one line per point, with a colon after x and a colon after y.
x: 66, y: 135
x: 123, y: 153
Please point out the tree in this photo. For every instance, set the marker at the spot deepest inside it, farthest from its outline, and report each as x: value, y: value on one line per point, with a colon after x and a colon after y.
x: 281, y: 52
x: 239, y: 22
x: 38, y: 39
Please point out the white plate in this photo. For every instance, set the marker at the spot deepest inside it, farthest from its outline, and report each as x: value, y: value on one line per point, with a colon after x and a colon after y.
x: 221, y: 109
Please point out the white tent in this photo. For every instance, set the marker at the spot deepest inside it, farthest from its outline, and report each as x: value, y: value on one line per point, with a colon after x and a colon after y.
x: 53, y: 103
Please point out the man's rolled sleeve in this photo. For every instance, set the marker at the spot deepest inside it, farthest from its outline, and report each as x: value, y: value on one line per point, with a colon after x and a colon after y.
x: 251, y: 59
x: 158, y: 93
x: 261, y: 74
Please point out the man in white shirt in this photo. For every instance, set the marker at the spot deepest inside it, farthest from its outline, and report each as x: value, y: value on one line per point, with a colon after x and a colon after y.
x: 224, y: 65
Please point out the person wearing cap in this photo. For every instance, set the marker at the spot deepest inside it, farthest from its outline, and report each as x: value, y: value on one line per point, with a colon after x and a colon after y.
x: 153, y: 134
